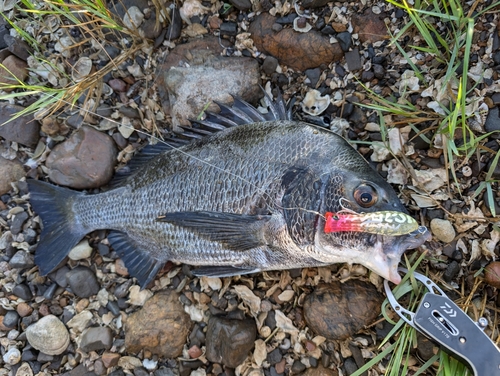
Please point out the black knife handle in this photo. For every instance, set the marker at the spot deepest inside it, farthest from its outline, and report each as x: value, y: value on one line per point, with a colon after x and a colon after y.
x: 443, y: 321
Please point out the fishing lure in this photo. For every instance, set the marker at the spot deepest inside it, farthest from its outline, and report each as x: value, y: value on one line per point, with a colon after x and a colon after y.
x: 383, y: 222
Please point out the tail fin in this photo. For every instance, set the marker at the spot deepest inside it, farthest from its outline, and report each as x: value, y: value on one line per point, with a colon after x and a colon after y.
x: 60, y: 231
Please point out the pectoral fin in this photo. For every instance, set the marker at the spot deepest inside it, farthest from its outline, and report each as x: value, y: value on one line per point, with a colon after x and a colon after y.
x: 239, y: 232
x: 222, y: 271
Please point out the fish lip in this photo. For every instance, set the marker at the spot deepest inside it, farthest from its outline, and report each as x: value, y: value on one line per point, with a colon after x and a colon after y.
x: 389, y: 250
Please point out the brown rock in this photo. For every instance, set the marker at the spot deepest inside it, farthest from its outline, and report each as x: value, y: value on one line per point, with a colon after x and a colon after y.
x: 229, y: 341
x: 24, y: 309
x: 110, y: 359
x: 320, y: 371
x: 369, y: 26
x: 10, y: 171
x: 85, y: 160
x: 492, y: 274
x: 160, y: 327
x: 313, y: 3
x: 23, y: 130
x: 299, y: 51
x: 12, y: 70
x: 339, y: 310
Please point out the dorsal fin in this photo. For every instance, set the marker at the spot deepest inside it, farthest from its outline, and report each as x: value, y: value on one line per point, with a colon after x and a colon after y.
x: 239, y: 113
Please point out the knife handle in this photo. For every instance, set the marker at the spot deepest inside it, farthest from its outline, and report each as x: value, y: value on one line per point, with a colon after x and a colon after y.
x: 443, y: 321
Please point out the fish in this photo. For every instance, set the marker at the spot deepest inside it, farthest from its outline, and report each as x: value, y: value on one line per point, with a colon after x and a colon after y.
x: 239, y: 192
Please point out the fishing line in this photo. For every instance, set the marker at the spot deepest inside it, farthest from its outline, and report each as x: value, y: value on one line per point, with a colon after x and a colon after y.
x: 178, y: 149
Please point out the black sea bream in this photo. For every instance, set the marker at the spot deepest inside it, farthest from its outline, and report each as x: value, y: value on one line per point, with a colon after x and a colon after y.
x: 249, y: 195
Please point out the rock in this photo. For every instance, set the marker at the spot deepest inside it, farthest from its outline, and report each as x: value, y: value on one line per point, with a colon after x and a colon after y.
x: 82, y: 281
x: 48, y: 335
x: 353, y: 60
x: 21, y: 260
x: 23, y: 130
x: 12, y: 356
x: 443, y: 230
x: 345, y: 41
x: 339, y: 310
x: 97, y: 338
x: 203, y: 77
x: 10, y: 171
x: 299, y: 51
x: 241, y: 4
x: 425, y: 348
x: 22, y: 291
x: 369, y: 26
x: 313, y: 3
x: 80, y: 251
x: 491, y: 275
x: 10, y: 319
x: 451, y: 271
x: 269, y: 65
x: 110, y: 359
x: 133, y: 18
x: 117, y: 84
x: 18, y: 47
x: 12, y: 70
x: 18, y: 220
x: 228, y: 341
x: 320, y: 371
x: 492, y: 122
x: 83, y: 161
x: 160, y: 327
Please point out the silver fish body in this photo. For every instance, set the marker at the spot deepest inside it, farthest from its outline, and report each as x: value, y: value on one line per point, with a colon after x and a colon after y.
x: 245, y: 199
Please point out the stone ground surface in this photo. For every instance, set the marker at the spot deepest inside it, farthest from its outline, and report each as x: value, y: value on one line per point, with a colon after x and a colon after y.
x: 90, y: 318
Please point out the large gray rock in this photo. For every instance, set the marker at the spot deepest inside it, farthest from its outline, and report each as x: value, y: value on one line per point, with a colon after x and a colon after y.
x: 196, y: 76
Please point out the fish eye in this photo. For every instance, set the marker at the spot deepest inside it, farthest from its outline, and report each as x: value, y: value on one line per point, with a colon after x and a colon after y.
x: 365, y: 195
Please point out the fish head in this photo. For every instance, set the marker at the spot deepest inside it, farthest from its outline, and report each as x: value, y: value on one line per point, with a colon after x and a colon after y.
x: 361, y: 193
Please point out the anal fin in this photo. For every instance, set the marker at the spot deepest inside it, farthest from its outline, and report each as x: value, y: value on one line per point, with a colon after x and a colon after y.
x: 223, y: 271
x: 139, y: 263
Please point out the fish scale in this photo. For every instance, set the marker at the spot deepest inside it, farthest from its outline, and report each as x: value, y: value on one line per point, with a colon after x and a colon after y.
x: 244, y: 199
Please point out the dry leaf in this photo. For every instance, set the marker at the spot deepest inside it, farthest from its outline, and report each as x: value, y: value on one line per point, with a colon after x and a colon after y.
x: 260, y: 352
x: 248, y: 297
x: 138, y: 297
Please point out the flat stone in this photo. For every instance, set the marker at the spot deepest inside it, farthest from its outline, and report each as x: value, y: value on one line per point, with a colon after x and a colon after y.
x: 353, y: 60
x: 110, y: 359
x: 18, y: 47
x: 10, y: 171
x: 299, y: 51
x: 85, y: 160
x: 160, y: 327
x: 320, y: 371
x: 369, y: 26
x: 199, y: 71
x: 96, y: 338
x: 12, y: 70
x: 16, y: 226
x: 228, y: 341
x: 339, y: 310
x: 23, y: 130
x: 82, y: 282
x: 21, y: 260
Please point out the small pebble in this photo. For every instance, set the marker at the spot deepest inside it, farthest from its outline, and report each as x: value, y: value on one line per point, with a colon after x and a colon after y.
x: 13, y: 356
x: 274, y: 356
x: 21, y: 260
x: 11, y: 319
x: 443, y: 230
x: 22, y: 291
x: 96, y: 338
x: 298, y: 367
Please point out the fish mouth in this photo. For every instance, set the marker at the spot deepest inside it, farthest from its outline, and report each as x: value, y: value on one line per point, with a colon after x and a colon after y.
x: 389, y: 249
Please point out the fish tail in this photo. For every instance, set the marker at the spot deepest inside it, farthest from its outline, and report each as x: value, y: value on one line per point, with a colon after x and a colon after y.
x: 60, y: 230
